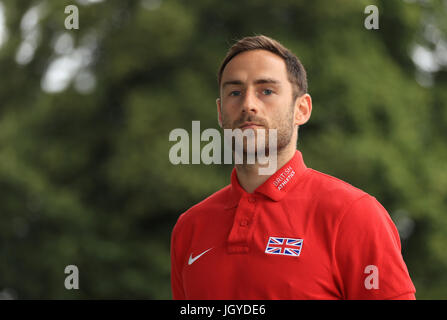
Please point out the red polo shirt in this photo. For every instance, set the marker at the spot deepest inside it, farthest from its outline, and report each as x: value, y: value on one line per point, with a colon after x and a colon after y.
x: 300, y: 235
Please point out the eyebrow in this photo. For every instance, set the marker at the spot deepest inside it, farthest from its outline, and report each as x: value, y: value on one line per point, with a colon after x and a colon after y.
x: 258, y: 81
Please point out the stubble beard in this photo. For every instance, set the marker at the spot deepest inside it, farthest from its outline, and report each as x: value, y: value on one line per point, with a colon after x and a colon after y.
x: 284, y: 126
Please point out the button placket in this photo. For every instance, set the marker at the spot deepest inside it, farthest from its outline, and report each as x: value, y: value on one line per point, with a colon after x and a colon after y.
x: 242, y: 225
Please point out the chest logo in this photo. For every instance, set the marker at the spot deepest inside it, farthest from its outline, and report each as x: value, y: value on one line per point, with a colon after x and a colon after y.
x: 284, y: 246
x: 191, y: 259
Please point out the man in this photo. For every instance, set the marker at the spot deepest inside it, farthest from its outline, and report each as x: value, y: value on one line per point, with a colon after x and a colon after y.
x: 297, y: 234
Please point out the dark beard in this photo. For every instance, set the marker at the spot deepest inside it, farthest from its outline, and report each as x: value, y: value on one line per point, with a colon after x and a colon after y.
x: 284, y: 129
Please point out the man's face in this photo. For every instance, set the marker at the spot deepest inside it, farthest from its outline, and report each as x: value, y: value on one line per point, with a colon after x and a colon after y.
x: 256, y: 94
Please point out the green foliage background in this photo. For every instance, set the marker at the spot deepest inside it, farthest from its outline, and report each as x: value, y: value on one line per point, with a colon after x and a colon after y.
x: 85, y: 177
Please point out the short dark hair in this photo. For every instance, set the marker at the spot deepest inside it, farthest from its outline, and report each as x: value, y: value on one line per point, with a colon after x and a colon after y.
x: 295, y: 70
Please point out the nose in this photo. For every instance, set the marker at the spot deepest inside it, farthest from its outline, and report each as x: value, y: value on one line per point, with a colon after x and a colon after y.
x: 250, y: 102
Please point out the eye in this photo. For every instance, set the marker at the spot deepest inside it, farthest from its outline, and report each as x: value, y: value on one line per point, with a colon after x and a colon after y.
x: 235, y: 93
x: 267, y: 92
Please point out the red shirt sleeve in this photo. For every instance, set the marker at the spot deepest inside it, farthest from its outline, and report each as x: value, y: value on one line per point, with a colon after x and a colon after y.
x: 176, y: 279
x: 367, y: 250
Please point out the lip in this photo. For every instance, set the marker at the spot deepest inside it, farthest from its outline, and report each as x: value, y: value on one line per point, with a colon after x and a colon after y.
x: 250, y: 125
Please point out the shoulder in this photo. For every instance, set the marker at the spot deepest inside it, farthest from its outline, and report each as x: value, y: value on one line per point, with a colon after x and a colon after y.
x: 211, y: 204
x: 332, y: 194
x: 349, y: 205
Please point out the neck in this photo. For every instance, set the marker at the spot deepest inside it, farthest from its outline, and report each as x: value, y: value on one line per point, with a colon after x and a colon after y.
x: 248, y: 174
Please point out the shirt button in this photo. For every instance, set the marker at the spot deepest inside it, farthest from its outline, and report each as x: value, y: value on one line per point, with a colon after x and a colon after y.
x: 251, y: 200
x: 243, y: 223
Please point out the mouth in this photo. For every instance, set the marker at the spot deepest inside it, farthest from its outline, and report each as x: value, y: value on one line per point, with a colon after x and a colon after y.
x: 250, y: 125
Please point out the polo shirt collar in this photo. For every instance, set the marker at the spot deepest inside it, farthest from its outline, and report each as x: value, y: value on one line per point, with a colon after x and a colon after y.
x: 275, y: 187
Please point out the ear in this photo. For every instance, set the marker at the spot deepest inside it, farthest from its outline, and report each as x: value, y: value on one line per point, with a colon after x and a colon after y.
x: 303, y: 109
x: 219, y: 112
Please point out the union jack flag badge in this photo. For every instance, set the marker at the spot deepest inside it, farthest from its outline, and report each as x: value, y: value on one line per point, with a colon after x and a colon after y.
x: 284, y: 246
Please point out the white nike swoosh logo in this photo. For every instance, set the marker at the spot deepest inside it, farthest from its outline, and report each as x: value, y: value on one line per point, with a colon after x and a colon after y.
x: 192, y: 260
